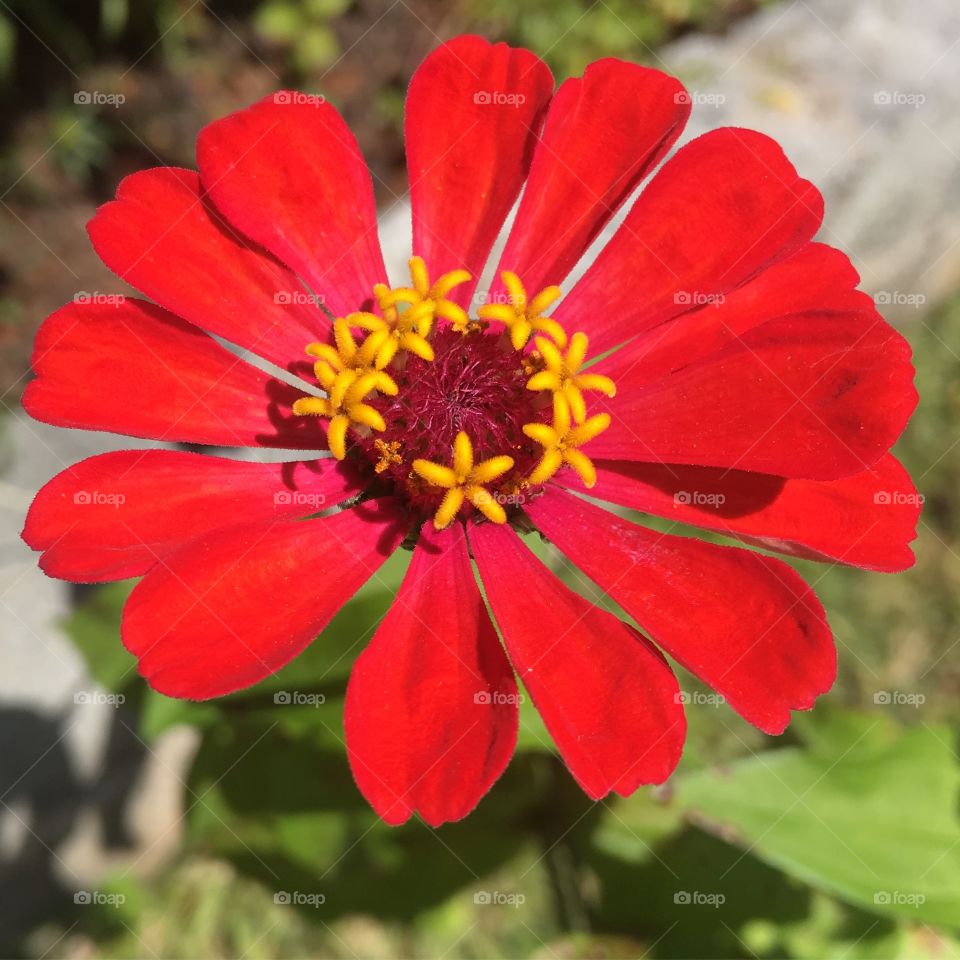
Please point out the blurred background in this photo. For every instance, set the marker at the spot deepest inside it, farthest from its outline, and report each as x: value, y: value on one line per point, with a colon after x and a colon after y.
x: 136, y: 826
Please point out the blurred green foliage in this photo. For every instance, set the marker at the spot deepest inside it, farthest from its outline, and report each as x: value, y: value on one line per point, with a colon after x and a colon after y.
x: 569, y: 34
x: 302, y: 29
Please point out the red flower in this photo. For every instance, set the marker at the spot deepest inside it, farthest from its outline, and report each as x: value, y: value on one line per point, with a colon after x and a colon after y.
x: 755, y: 393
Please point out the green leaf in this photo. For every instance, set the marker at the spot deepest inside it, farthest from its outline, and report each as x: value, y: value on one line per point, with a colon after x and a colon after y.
x: 532, y: 734
x: 326, y: 9
x: 633, y: 826
x: 278, y: 22
x: 95, y: 629
x: 315, y: 48
x: 865, y: 812
x: 158, y: 713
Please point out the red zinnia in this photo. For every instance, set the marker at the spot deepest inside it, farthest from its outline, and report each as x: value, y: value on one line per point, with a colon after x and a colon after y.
x: 746, y: 387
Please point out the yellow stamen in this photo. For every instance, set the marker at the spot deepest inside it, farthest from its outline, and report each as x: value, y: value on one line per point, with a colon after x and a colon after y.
x: 426, y: 301
x: 561, y: 443
x: 561, y: 375
x: 332, y: 361
x: 393, y: 330
x: 464, y: 481
x: 348, y: 373
x: 523, y: 316
x: 353, y: 369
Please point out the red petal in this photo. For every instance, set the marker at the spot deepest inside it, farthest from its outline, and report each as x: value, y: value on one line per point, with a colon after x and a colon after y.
x: 816, y: 396
x: 164, y: 238
x: 116, y: 515
x: 867, y: 520
x: 602, y: 135
x: 431, y: 711
x: 724, y: 207
x: 746, y: 624
x: 473, y: 111
x: 607, y: 697
x: 815, y: 278
x: 235, y: 605
x: 133, y: 368
x: 288, y: 173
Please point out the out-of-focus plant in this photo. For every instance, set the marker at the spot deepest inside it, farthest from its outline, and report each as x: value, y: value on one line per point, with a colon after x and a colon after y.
x: 573, y: 33
x: 302, y: 29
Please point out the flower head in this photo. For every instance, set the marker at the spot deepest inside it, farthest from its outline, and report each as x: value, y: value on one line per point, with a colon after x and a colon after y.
x: 743, y: 386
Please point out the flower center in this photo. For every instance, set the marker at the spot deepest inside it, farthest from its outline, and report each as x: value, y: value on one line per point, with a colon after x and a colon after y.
x: 452, y: 413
